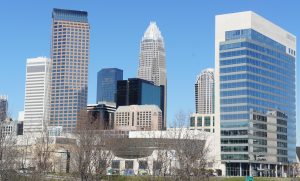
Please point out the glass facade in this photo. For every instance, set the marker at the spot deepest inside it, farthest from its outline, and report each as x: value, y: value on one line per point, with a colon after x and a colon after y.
x: 69, y: 67
x: 137, y: 91
x: 256, y: 75
x: 107, y: 84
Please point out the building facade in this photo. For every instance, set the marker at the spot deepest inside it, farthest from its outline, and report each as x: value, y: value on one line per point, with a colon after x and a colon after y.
x: 152, y: 64
x: 205, y: 92
x: 36, y: 94
x: 138, y: 117
x: 135, y: 91
x: 103, y: 114
x: 255, y: 74
x: 3, y: 107
x: 69, y: 74
x: 107, y: 84
x: 202, y: 122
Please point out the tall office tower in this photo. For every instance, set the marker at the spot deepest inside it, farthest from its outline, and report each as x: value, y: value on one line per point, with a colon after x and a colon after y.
x: 3, y: 107
x: 205, y: 92
x: 36, y: 94
x: 107, y: 84
x: 255, y: 94
x: 137, y: 91
x: 152, y: 64
x: 70, y: 59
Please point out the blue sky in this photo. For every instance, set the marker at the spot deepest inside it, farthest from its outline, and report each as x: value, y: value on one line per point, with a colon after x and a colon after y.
x: 116, y: 31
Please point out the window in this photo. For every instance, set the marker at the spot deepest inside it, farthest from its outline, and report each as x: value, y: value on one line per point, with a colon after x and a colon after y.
x: 199, y: 121
x: 143, y: 164
x: 128, y: 164
x: 115, y: 164
x: 192, y: 121
x: 207, y: 121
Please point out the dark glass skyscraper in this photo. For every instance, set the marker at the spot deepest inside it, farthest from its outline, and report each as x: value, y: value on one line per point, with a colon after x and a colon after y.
x: 107, y: 84
x: 69, y: 67
x: 137, y: 91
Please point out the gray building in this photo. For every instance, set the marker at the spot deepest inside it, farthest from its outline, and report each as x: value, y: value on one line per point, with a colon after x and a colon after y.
x: 69, y: 67
x: 3, y: 107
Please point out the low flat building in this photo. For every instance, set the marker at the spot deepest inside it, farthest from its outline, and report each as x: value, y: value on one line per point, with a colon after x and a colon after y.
x: 138, y: 117
x: 202, y: 122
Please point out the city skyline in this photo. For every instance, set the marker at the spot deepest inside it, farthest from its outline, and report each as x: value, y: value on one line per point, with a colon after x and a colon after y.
x: 17, y: 103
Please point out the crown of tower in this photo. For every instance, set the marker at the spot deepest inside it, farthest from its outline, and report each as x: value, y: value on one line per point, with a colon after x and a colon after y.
x: 152, y: 32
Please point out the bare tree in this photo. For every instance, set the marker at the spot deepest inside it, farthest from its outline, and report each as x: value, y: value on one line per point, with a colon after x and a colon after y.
x: 102, y: 154
x: 43, y: 151
x: 8, y: 151
x: 191, y: 150
x: 92, y: 154
x: 82, y: 151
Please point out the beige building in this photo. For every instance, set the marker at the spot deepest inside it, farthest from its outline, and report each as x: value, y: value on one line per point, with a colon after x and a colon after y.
x: 138, y: 117
x: 69, y: 64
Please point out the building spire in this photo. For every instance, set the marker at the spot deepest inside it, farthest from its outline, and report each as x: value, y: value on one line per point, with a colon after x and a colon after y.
x: 152, y: 32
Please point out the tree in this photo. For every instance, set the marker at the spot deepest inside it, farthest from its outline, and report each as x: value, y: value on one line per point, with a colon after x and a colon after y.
x: 43, y: 151
x: 191, y: 149
x: 93, y: 152
x: 8, y: 151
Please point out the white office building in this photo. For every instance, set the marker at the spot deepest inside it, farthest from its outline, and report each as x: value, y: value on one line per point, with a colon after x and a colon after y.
x: 204, y: 92
x: 36, y: 94
x: 255, y: 95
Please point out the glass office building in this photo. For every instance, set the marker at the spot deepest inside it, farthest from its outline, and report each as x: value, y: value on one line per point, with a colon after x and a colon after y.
x: 255, y: 70
x: 69, y: 67
x: 107, y: 84
x: 137, y: 91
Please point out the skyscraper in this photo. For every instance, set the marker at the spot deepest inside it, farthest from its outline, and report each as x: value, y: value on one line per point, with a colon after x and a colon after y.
x: 107, y: 84
x: 137, y: 91
x: 36, y: 94
x: 204, y: 92
x: 152, y: 64
x: 255, y: 94
x: 3, y: 107
x: 69, y: 74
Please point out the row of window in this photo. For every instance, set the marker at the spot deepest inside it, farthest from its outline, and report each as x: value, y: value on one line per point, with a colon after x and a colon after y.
x: 234, y: 148
x: 254, y: 35
x: 234, y: 132
x: 234, y: 156
x: 234, y: 124
x: 253, y: 101
x: 281, y: 55
x: 234, y: 116
x: 234, y: 141
x: 258, y: 71
x: 257, y: 94
x: 260, y: 149
x: 256, y: 55
x: 282, y: 83
x: 248, y: 84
